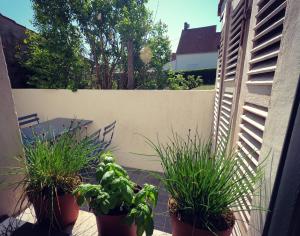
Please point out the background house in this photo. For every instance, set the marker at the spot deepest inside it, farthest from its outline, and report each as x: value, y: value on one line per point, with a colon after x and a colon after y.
x: 13, y: 34
x: 197, y: 49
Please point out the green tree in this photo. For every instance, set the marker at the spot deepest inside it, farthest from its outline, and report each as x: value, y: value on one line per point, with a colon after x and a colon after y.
x: 134, y: 24
x: 54, y: 54
x: 97, y: 20
x: 158, y: 49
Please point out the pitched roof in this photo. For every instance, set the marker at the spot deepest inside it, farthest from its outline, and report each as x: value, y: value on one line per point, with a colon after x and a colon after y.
x: 198, y: 40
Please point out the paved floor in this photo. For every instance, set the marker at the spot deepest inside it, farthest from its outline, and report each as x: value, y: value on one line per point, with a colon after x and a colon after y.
x: 161, y: 216
x: 23, y: 225
x: 86, y: 223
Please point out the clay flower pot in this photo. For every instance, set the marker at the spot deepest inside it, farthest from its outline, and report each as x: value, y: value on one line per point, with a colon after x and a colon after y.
x: 180, y: 228
x: 109, y: 225
x: 65, y: 210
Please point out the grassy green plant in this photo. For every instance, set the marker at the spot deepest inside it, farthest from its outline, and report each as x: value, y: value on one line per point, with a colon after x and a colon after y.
x: 204, y: 184
x: 51, y: 164
x: 51, y: 168
x: 117, y: 194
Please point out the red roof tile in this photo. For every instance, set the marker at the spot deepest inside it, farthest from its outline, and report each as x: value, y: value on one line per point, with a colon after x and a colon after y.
x: 198, y: 40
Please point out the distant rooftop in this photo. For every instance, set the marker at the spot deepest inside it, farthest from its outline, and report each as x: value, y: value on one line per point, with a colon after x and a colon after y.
x: 198, y: 40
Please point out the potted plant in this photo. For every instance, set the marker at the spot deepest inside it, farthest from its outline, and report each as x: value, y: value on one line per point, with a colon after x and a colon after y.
x: 121, y: 207
x: 51, y: 171
x: 204, y: 185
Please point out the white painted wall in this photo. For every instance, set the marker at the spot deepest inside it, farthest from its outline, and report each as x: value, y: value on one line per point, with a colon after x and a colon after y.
x: 137, y: 112
x: 170, y: 66
x: 10, y: 142
x: 196, y: 61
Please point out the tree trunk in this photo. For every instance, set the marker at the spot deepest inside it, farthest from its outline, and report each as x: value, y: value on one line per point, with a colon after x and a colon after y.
x: 98, y: 78
x: 107, y: 78
x: 130, y: 82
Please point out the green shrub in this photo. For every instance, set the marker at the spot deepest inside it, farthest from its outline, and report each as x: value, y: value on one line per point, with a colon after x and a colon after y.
x: 176, y: 81
x: 207, y: 75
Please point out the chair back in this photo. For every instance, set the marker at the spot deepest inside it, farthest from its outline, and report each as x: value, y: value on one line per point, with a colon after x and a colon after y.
x: 108, y: 133
x: 29, y: 120
x: 94, y: 137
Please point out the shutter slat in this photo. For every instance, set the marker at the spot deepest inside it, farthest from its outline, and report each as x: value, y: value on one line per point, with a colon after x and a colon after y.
x: 256, y: 111
x: 260, y: 82
x: 233, y: 52
x: 228, y: 95
x: 225, y: 114
x: 226, y: 129
x: 225, y: 120
x: 269, y: 29
x: 251, y: 133
x: 232, y: 66
x: 262, y: 70
x: 230, y: 73
x: 238, y: 28
x: 268, y: 17
x: 233, y: 45
x: 264, y: 8
x: 225, y: 108
x: 264, y: 57
x: 267, y: 43
x: 237, y: 22
x: 253, y: 147
x: 253, y: 122
x: 237, y: 12
x: 234, y: 38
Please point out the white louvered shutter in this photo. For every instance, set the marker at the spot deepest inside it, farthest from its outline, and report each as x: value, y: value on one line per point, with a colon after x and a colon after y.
x: 257, y: 87
x: 220, y: 72
x: 218, y: 85
x: 232, y: 73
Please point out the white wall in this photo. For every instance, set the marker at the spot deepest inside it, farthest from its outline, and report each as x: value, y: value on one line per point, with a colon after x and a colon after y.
x: 196, y: 61
x: 148, y: 113
x: 10, y: 141
x: 170, y: 66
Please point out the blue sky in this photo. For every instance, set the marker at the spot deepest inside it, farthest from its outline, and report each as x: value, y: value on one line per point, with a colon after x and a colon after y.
x: 172, y: 12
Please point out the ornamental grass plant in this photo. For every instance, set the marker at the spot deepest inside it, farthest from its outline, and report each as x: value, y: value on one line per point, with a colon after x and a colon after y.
x: 51, y: 168
x: 204, y: 183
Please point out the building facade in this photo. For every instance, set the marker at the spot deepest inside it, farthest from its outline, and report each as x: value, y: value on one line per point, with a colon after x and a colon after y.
x: 12, y: 35
x: 197, y: 49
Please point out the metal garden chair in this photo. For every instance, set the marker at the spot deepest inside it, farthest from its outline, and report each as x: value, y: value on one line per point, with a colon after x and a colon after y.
x: 28, y: 120
x: 100, y: 142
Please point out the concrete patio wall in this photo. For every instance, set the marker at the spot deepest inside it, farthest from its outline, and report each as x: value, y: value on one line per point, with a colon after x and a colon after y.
x: 148, y: 113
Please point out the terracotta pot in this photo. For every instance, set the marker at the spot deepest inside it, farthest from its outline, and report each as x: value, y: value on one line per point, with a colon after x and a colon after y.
x: 180, y: 228
x: 65, y: 210
x: 114, y: 225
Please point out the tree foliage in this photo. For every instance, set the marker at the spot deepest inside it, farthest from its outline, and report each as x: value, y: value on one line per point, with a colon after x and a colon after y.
x: 176, y: 81
x: 158, y: 43
x: 54, y: 55
x: 82, y: 43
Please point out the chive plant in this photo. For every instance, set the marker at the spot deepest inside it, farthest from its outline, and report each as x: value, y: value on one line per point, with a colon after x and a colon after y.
x: 205, y: 183
x: 51, y: 168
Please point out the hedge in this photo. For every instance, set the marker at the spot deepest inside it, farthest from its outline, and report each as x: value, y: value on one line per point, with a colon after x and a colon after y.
x: 208, y: 75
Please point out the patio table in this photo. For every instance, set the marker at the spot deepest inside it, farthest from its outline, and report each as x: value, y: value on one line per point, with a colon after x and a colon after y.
x: 52, y: 128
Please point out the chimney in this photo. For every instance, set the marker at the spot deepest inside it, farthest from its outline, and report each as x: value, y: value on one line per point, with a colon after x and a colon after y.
x: 186, y: 26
